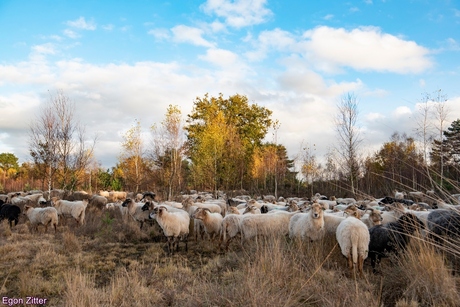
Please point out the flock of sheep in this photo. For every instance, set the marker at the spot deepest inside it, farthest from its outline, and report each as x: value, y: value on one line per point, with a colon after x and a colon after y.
x: 362, y: 228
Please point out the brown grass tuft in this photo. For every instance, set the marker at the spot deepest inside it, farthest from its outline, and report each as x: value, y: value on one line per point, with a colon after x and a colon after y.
x: 111, y: 262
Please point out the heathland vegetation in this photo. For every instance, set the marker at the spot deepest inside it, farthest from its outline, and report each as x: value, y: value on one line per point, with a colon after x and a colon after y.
x: 110, y: 261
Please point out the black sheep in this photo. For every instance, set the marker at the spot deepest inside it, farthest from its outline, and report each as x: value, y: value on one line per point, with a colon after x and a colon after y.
x: 149, y: 196
x: 391, y: 237
x: 10, y: 212
x: 444, y: 229
x: 387, y: 200
x: 443, y: 222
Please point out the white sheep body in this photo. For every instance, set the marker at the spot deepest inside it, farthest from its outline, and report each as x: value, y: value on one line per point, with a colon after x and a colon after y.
x: 75, y: 209
x: 138, y: 211
x: 230, y: 227
x: 45, y: 216
x: 212, y: 221
x: 308, y: 225
x: 331, y: 222
x: 251, y: 210
x: 353, y: 238
x: 188, y: 202
x: 175, y: 225
x: 253, y: 225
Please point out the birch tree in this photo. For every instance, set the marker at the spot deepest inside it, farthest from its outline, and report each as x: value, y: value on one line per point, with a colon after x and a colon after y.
x: 58, y: 144
x: 132, y: 156
x: 349, y: 139
x: 167, y: 149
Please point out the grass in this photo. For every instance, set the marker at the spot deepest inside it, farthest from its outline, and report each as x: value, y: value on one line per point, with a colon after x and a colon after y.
x: 110, y: 262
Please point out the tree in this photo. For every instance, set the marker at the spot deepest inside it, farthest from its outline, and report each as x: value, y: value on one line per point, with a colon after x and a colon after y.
x: 270, y: 166
x: 167, y: 149
x: 8, y: 165
x: 132, y: 161
x: 242, y: 129
x: 441, y: 113
x: 58, y: 144
x: 448, y: 151
x: 349, y: 138
x: 309, y: 166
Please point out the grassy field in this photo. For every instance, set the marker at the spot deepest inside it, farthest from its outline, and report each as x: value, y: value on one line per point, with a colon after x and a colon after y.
x: 108, y: 262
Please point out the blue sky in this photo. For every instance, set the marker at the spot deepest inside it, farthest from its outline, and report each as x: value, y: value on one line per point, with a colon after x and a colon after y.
x: 124, y: 60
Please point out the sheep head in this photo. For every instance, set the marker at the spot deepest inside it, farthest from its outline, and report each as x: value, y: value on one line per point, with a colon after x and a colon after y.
x: 26, y: 209
x: 126, y: 202
x: 316, y: 210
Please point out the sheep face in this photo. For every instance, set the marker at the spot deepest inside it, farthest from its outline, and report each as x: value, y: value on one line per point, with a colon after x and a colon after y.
x: 351, y: 210
x: 126, y: 202
x: 201, y: 213
x: 147, y: 206
x: 26, y: 209
x: 375, y: 216
x: 316, y: 211
x: 249, y: 209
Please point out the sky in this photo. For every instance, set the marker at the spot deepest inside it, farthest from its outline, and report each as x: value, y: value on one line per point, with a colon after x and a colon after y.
x: 125, y: 61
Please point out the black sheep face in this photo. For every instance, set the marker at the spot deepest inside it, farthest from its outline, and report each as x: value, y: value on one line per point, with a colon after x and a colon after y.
x: 146, y: 206
x: 126, y: 202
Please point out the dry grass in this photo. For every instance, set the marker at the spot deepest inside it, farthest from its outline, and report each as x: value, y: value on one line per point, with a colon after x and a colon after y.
x: 108, y: 262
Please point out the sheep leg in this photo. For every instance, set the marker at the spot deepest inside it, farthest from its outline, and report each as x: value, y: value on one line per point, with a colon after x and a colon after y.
x: 360, y: 265
x: 176, y: 242
x: 350, y: 261
x: 186, y: 243
x: 170, y: 244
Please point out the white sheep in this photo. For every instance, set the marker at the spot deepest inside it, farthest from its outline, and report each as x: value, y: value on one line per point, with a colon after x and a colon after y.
x: 188, y: 202
x: 327, y: 204
x: 254, y: 225
x: 138, y: 211
x: 374, y: 217
x: 36, y: 199
x: 308, y: 225
x: 399, y: 195
x: 75, y: 209
x: 251, y: 210
x: 212, y: 222
x: 234, y: 210
x: 353, y: 238
x: 175, y: 225
x: 230, y: 228
x: 45, y: 216
x: 346, y: 201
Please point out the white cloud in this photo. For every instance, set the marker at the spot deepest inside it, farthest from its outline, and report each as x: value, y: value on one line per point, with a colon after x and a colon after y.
x: 47, y: 48
x: 185, y: 34
x: 71, y: 34
x: 354, y: 9
x: 159, y: 34
x: 82, y: 24
x: 374, y: 116
x: 220, y: 57
x: 267, y: 41
x: 239, y: 13
x: 108, y: 27
x: 402, y: 111
x: 364, y: 48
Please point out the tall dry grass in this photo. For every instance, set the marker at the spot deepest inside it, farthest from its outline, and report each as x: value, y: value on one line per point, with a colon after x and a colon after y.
x: 110, y: 262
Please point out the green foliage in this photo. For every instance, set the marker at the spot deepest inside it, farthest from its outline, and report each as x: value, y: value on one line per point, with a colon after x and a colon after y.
x: 8, y: 161
x: 447, y: 150
x: 221, y: 137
